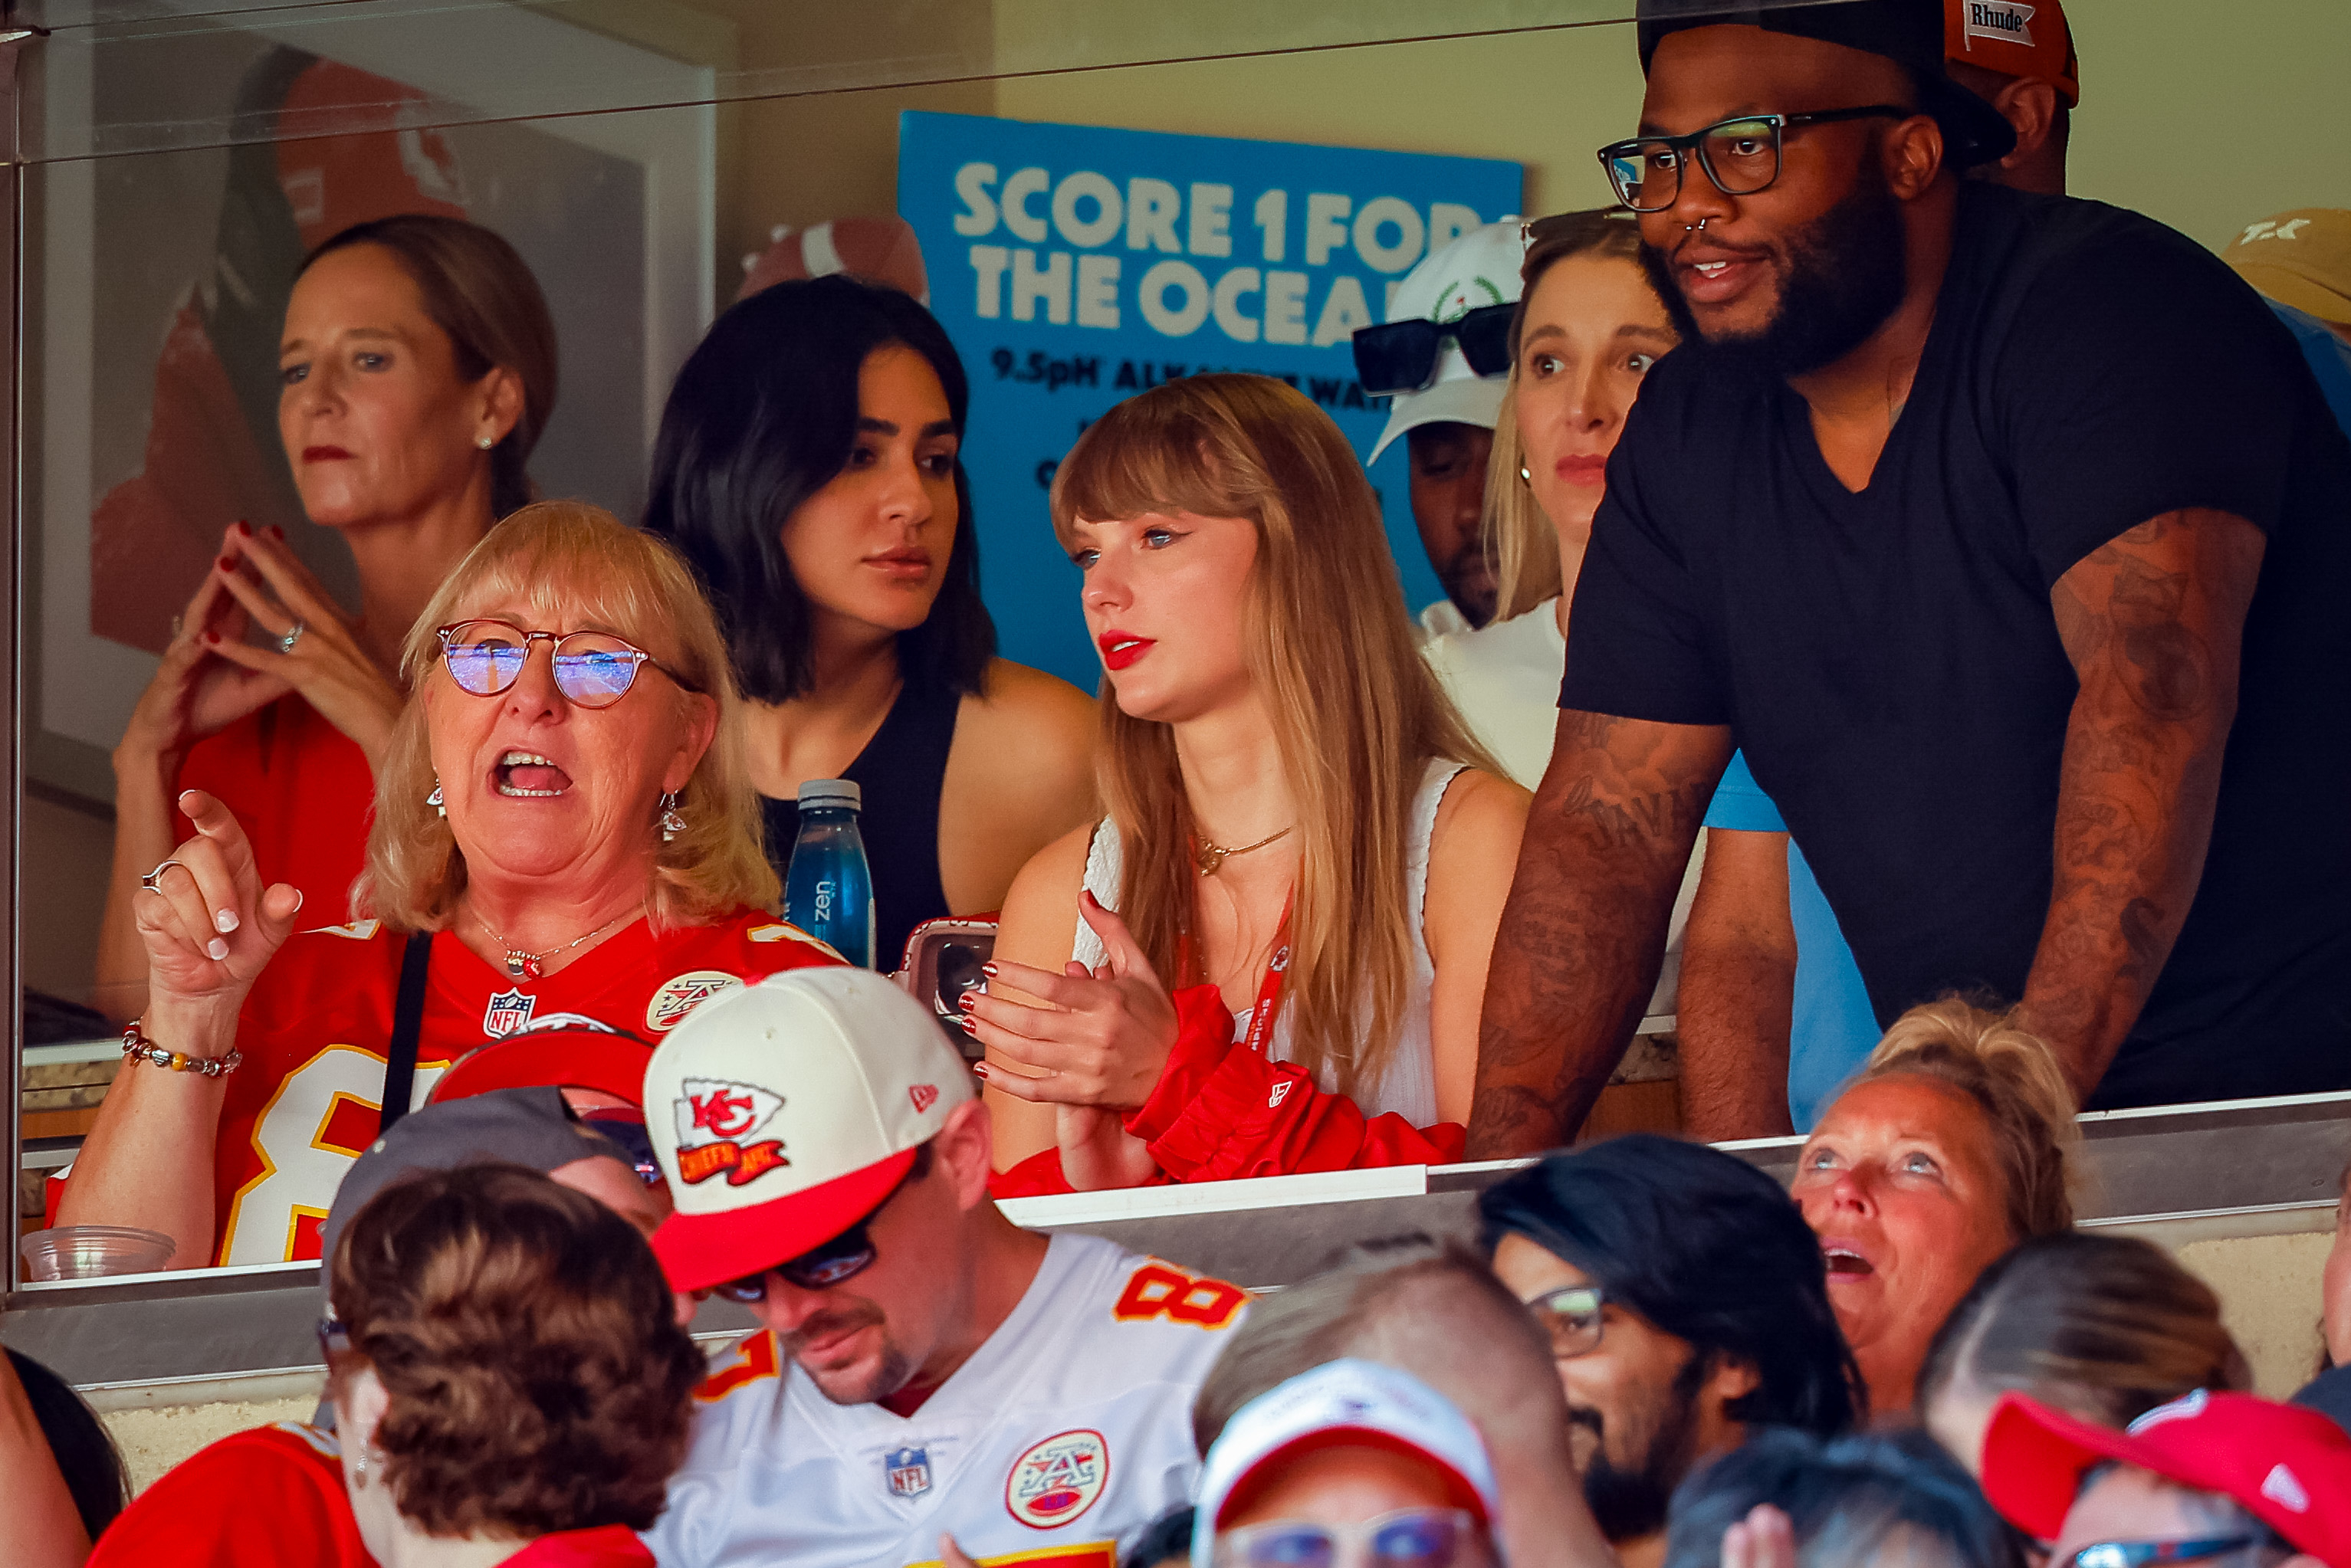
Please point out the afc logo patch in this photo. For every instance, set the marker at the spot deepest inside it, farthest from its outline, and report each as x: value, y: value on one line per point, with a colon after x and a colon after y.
x: 1057, y: 1479
x: 508, y: 1012
x: 681, y: 994
x: 909, y: 1470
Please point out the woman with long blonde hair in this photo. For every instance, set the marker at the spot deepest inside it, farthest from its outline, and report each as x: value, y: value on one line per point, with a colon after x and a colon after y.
x: 1304, y: 839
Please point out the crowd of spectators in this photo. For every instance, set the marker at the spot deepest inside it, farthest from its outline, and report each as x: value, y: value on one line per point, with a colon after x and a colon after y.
x: 1835, y: 493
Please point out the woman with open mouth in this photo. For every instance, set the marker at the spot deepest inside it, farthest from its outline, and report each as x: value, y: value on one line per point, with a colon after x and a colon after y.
x: 417, y: 370
x: 563, y: 825
x: 1956, y: 1142
x: 1271, y: 955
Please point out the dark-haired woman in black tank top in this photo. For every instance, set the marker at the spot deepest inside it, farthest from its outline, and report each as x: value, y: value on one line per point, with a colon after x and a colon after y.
x: 807, y: 466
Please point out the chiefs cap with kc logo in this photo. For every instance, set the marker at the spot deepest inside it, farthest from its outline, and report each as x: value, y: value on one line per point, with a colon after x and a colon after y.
x: 782, y: 1113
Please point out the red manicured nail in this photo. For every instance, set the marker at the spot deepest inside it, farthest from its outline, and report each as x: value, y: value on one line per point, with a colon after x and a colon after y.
x: 228, y: 563
x: 979, y: 1069
x: 212, y: 636
x: 970, y: 1027
x: 989, y: 969
x: 967, y: 1000
x: 244, y: 528
x: 276, y: 532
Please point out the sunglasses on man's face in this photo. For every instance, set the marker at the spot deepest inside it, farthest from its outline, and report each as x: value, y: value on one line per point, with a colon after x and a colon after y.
x: 592, y: 669
x: 820, y: 1267
x: 2149, y: 1553
x: 1401, y: 357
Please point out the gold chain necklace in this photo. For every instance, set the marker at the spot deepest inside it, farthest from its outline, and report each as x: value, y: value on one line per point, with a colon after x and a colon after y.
x: 522, y: 965
x: 1209, y: 855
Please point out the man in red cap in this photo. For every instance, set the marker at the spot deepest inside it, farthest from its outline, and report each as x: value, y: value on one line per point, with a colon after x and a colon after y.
x: 2206, y: 1477
x: 2019, y: 58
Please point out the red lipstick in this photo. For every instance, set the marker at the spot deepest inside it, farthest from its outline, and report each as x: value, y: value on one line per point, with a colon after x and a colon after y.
x: 1120, y: 649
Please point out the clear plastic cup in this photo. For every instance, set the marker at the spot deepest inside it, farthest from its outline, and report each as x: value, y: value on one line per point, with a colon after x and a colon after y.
x: 92, y: 1253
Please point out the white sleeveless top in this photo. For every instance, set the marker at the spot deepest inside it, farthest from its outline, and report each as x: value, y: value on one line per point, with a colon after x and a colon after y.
x: 1408, y: 1087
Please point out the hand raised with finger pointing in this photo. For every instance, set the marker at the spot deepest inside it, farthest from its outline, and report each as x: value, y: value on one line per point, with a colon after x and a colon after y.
x: 208, y: 924
x: 1101, y: 1041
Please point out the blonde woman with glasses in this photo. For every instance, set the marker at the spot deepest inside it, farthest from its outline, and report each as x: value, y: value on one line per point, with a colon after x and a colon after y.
x: 1271, y: 955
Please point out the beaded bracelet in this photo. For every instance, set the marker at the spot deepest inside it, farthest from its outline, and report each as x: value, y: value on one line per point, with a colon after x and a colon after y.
x: 137, y: 1047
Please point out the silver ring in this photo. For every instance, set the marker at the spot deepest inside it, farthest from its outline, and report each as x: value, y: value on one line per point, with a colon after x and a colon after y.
x: 153, y: 879
x: 286, y: 643
x: 177, y: 627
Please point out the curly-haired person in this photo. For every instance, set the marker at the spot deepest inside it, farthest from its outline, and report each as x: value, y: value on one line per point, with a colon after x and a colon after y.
x: 508, y: 1377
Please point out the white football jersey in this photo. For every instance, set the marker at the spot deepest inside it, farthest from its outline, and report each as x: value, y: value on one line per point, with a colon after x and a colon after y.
x: 1063, y: 1437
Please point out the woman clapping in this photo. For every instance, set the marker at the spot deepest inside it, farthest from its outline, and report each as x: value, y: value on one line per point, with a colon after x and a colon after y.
x: 1302, y: 837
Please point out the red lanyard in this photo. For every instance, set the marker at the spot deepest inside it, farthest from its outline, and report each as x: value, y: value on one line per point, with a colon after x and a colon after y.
x: 1269, y: 991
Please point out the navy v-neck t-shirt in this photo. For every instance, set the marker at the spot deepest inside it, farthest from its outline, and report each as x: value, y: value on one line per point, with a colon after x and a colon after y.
x: 1889, y: 662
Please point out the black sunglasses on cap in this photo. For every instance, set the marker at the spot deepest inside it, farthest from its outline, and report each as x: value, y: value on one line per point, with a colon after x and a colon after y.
x: 1401, y: 357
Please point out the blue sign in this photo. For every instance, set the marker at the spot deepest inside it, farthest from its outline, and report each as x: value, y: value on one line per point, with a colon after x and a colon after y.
x: 1074, y: 266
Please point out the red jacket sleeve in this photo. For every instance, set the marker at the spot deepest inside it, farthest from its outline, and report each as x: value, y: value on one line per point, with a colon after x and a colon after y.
x: 1220, y: 1111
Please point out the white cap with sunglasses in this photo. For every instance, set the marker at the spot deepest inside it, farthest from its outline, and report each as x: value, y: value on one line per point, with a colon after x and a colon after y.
x: 783, y: 1113
x: 1444, y: 353
x: 1345, y: 1404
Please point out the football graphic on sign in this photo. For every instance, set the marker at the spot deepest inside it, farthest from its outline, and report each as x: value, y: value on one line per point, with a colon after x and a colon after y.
x: 1058, y: 1479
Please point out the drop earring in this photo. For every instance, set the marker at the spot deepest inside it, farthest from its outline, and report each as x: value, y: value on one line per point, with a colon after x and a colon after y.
x: 440, y: 807
x: 359, y: 1472
x: 672, y: 823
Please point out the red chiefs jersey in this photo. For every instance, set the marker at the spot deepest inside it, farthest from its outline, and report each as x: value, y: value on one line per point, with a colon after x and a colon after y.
x: 302, y: 791
x: 307, y: 1100
x: 269, y: 1498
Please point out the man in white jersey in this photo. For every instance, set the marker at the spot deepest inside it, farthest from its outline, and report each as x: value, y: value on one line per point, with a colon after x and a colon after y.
x: 928, y: 1370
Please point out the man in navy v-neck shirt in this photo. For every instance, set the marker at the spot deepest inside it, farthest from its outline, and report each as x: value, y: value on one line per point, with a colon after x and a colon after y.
x: 2006, y: 535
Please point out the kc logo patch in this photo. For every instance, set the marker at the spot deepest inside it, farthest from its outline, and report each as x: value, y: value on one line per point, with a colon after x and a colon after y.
x: 508, y: 1012
x: 681, y: 994
x: 1058, y: 1479
x: 715, y: 1120
x: 909, y: 1470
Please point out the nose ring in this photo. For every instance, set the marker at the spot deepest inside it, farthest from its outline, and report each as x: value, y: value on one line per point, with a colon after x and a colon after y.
x: 1699, y: 226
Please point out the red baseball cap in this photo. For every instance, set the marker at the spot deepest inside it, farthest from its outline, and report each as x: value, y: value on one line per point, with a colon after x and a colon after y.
x: 2288, y: 1466
x: 564, y: 1051
x: 2016, y: 38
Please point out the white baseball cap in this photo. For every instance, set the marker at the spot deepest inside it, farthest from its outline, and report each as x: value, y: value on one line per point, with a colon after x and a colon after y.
x: 1343, y: 1403
x: 1480, y: 269
x: 784, y: 1113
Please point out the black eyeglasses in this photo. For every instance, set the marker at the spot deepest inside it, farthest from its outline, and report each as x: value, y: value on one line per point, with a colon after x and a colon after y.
x: 1401, y: 357
x: 1741, y: 156
x: 835, y: 1262
x: 1571, y: 1317
x: 2140, y: 1553
x: 592, y: 669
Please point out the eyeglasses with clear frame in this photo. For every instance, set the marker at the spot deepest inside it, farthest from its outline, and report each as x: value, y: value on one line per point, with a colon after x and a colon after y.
x: 1741, y: 156
x: 1407, y: 1538
x: 592, y: 669
x: 1570, y: 1318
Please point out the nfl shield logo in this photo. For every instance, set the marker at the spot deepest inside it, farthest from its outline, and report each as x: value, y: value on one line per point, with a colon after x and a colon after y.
x: 508, y: 1012
x: 910, y: 1471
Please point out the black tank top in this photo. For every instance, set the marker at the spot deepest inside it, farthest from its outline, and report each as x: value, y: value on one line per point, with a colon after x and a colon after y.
x: 898, y: 775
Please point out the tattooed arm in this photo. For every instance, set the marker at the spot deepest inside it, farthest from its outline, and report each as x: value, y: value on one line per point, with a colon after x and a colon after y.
x: 1584, y: 929
x: 2152, y: 621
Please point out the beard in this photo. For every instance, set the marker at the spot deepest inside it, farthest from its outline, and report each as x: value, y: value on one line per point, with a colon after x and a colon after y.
x: 890, y: 1370
x: 1843, y: 275
x: 1628, y: 1503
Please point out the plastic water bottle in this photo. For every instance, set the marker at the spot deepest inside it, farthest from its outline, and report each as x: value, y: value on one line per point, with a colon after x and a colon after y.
x: 829, y: 887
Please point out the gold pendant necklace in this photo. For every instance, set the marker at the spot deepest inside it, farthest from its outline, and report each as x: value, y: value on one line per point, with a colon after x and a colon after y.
x: 522, y: 965
x: 1208, y: 855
